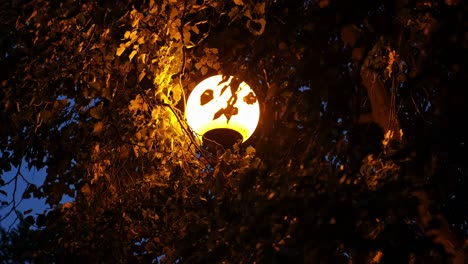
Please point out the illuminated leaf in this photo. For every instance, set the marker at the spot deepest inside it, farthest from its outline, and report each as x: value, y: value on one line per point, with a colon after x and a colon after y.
x: 97, y: 112
x: 250, y: 150
x: 177, y: 93
x: 127, y: 34
x: 98, y: 128
x: 86, y: 190
x: 260, y: 8
x: 250, y: 98
x: 141, y: 75
x: 121, y: 49
x: 204, y: 70
x: 143, y: 58
x: 256, y: 26
x: 130, y: 57
x: 195, y: 29
x: 234, y: 13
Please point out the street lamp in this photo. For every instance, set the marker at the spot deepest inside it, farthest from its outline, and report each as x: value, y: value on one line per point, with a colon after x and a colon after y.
x: 222, y: 109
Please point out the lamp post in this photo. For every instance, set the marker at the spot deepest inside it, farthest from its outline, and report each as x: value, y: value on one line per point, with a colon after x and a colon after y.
x: 222, y: 109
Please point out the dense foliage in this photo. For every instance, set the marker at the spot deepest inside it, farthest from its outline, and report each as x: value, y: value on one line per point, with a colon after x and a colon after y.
x: 357, y: 157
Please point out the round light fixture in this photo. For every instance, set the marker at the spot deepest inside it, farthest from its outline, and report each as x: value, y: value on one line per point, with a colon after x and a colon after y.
x: 223, y: 109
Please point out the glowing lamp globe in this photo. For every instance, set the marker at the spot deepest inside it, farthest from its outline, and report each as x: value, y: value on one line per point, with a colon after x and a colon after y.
x: 223, y: 110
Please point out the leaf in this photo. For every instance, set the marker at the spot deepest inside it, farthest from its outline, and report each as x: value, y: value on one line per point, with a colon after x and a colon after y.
x: 34, y: 13
x: 218, y: 114
x: 143, y: 58
x: 124, y: 152
x: 41, y: 220
x: 90, y: 30
x: 86, y: 190
x: 223, y: 89
x: 256, y: 26
x: 195, y: 29
x: 234, y: 85
x: 250, y: 98
x: 127, y: 34
x: 141, y: 75
x: 29, y: 220
x: 250, y: 150
x: 260, y: 8
x: 134, y: 52
x: 229, y: 111
x: 204, y: 70
x: 234, y: 13
x: 26, y: 195
x: 238, y: 2
x: 206, y: 97
x: 121, y: 49
x: 98, y: 128
x: 176, y: 93
x: 97, y: 112
x: 27, y: 211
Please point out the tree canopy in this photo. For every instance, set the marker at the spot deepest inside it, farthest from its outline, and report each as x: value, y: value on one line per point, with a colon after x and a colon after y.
x: 358, y: 156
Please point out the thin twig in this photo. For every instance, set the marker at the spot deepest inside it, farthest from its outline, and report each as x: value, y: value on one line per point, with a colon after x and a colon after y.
x: 13, y: 201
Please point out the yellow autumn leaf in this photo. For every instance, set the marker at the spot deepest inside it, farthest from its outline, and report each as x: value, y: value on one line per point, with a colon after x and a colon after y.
x: 132, y: 54
x: 387, y: 138
x: 120, y: 50
x: 141, y: 75
x: 176, y: 93
x: 127, y: 34
x: 143, y: 58
x: 135, y: 22
x: 155, y: 113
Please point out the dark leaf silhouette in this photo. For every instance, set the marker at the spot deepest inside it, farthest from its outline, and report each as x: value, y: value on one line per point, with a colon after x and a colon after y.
x: 223, y: 89
x: 229, y: 111
x: 234, y: 85
x: 206, y: 97
x: 250, y: 98
x: 218, y: 114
